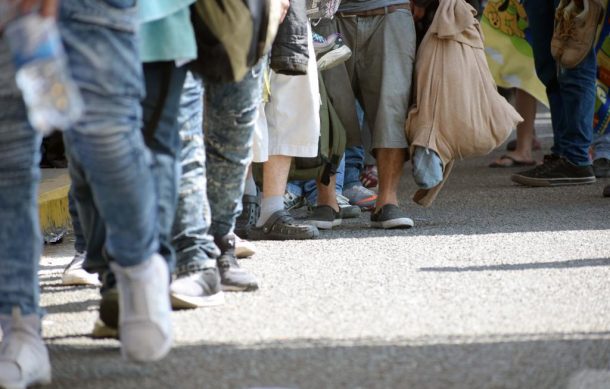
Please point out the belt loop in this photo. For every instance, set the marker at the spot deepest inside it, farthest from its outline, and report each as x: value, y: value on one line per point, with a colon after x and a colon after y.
x: 385, y: 10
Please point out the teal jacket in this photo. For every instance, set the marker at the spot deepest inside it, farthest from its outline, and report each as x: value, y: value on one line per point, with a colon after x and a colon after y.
x: 166, y: 32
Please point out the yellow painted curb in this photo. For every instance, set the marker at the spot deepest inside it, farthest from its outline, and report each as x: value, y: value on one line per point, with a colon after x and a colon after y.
x: 53, y: 200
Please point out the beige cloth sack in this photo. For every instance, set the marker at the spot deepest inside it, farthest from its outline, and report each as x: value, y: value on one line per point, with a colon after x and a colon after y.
x: 458, y: 111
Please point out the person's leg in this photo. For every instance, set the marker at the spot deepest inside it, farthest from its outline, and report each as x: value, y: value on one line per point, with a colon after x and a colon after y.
x: 354, y: 190
x: 23, y: 356
x: 578, y: 91
x: 293, y: 120
x: 74, y: 274
x: 275, y: 178
x: 231, y: 113
x: 571, y: 95
x: 525, y: 104
x: 111, y: 171
x: 164, y: 83
x: 197, y: 281
x: 541, y: 16
x: 601, y: 154
x: 383, y: 71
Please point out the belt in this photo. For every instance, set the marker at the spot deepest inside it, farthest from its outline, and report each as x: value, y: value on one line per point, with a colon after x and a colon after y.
x: 374, y: 12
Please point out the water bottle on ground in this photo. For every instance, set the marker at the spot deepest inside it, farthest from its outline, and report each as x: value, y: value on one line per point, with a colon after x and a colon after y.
x: 52, y: 98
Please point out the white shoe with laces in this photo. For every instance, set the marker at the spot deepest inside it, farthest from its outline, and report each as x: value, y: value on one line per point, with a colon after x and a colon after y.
x: 144, y: 309
x: 24, y: 359
x: 74, y: 274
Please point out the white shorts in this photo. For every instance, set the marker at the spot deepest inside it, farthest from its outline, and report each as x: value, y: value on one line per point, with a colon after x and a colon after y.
x: 289, y: 124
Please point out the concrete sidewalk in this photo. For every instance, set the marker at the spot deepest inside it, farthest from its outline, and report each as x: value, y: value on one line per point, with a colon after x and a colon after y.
x: 497, y: 286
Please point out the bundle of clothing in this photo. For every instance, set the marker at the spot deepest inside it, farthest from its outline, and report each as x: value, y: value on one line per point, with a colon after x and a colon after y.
x: 457, y: 110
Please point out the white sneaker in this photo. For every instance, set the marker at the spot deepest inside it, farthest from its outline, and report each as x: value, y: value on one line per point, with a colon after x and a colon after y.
x: 74, y: 274
x: 244, y: 248
x: 24, y: 359
x: 144, y: 309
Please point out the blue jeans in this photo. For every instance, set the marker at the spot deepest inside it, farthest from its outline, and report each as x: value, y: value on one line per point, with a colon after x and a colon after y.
x: 601, y: 145
x: 109, y: 165
x: 213, y: 167
x: 20, y: 237
x: 354, y: 163
x: 348, y: 175
x: 164, y: 83
x: 571, y: 92
x: 80, y: 244
x: 193, y: 245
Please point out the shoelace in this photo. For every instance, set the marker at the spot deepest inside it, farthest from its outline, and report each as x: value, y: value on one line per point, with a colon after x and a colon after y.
x: 567, y: 28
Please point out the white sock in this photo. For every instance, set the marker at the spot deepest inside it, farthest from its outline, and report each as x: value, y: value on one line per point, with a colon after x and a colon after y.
x: 269, y: 206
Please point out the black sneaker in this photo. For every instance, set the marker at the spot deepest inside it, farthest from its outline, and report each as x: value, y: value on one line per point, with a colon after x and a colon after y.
x: 390, y: 216
x: 555, y: 171
x: 324, y: 217
x: 200, y: 288
x: 107, y: 324
x: 282, y: 226
x: 607, y: 191
x: 251, y: 210
x: 601, y: 168
x: 232, y: 277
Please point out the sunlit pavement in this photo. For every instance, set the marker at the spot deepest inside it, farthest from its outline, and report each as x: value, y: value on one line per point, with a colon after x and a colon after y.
x: 497, y: 286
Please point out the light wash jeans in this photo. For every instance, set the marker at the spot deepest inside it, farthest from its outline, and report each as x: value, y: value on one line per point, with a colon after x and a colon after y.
x: 571, y: 92
x: 20, y: 237
x: 109, y: 165
x: 213, y: 166
x: 601, y: 145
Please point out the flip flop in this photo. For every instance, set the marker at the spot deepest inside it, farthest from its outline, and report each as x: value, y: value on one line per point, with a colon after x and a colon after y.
x: 513, y: 162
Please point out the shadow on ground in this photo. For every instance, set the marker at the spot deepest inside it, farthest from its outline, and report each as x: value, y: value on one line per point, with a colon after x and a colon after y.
x: 500, y: 362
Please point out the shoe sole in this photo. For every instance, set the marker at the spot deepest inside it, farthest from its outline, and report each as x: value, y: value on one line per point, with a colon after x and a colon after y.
x: 239, y: 288
x: 325, y: 225
x: 549, y: 182
x: 259, y: 235
x: 403, y: 222
x: 181, y: 301
x: 334, y: 58
x: 74, y: 280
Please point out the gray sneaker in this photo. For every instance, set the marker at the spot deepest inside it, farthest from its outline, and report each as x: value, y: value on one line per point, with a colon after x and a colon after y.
x: 233, y: 277
x: 390, y: 216
x: 324, y: 217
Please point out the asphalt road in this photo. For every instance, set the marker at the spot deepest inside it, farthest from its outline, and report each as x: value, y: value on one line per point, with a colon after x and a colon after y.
x: 497, y: 286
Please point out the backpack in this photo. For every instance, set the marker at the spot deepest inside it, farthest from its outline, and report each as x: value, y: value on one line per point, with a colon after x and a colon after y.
x: 232, y: 35
x: 331, y: 147
x: 322, y: 9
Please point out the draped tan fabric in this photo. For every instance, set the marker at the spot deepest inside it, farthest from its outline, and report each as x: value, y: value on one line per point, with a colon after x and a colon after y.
x: 458, y: 111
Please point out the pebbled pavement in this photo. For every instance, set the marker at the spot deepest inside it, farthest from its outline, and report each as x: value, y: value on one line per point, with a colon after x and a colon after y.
x: 497, y: 286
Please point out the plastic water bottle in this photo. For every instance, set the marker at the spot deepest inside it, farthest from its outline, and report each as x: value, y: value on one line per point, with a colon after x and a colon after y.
x: 52, y: 98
